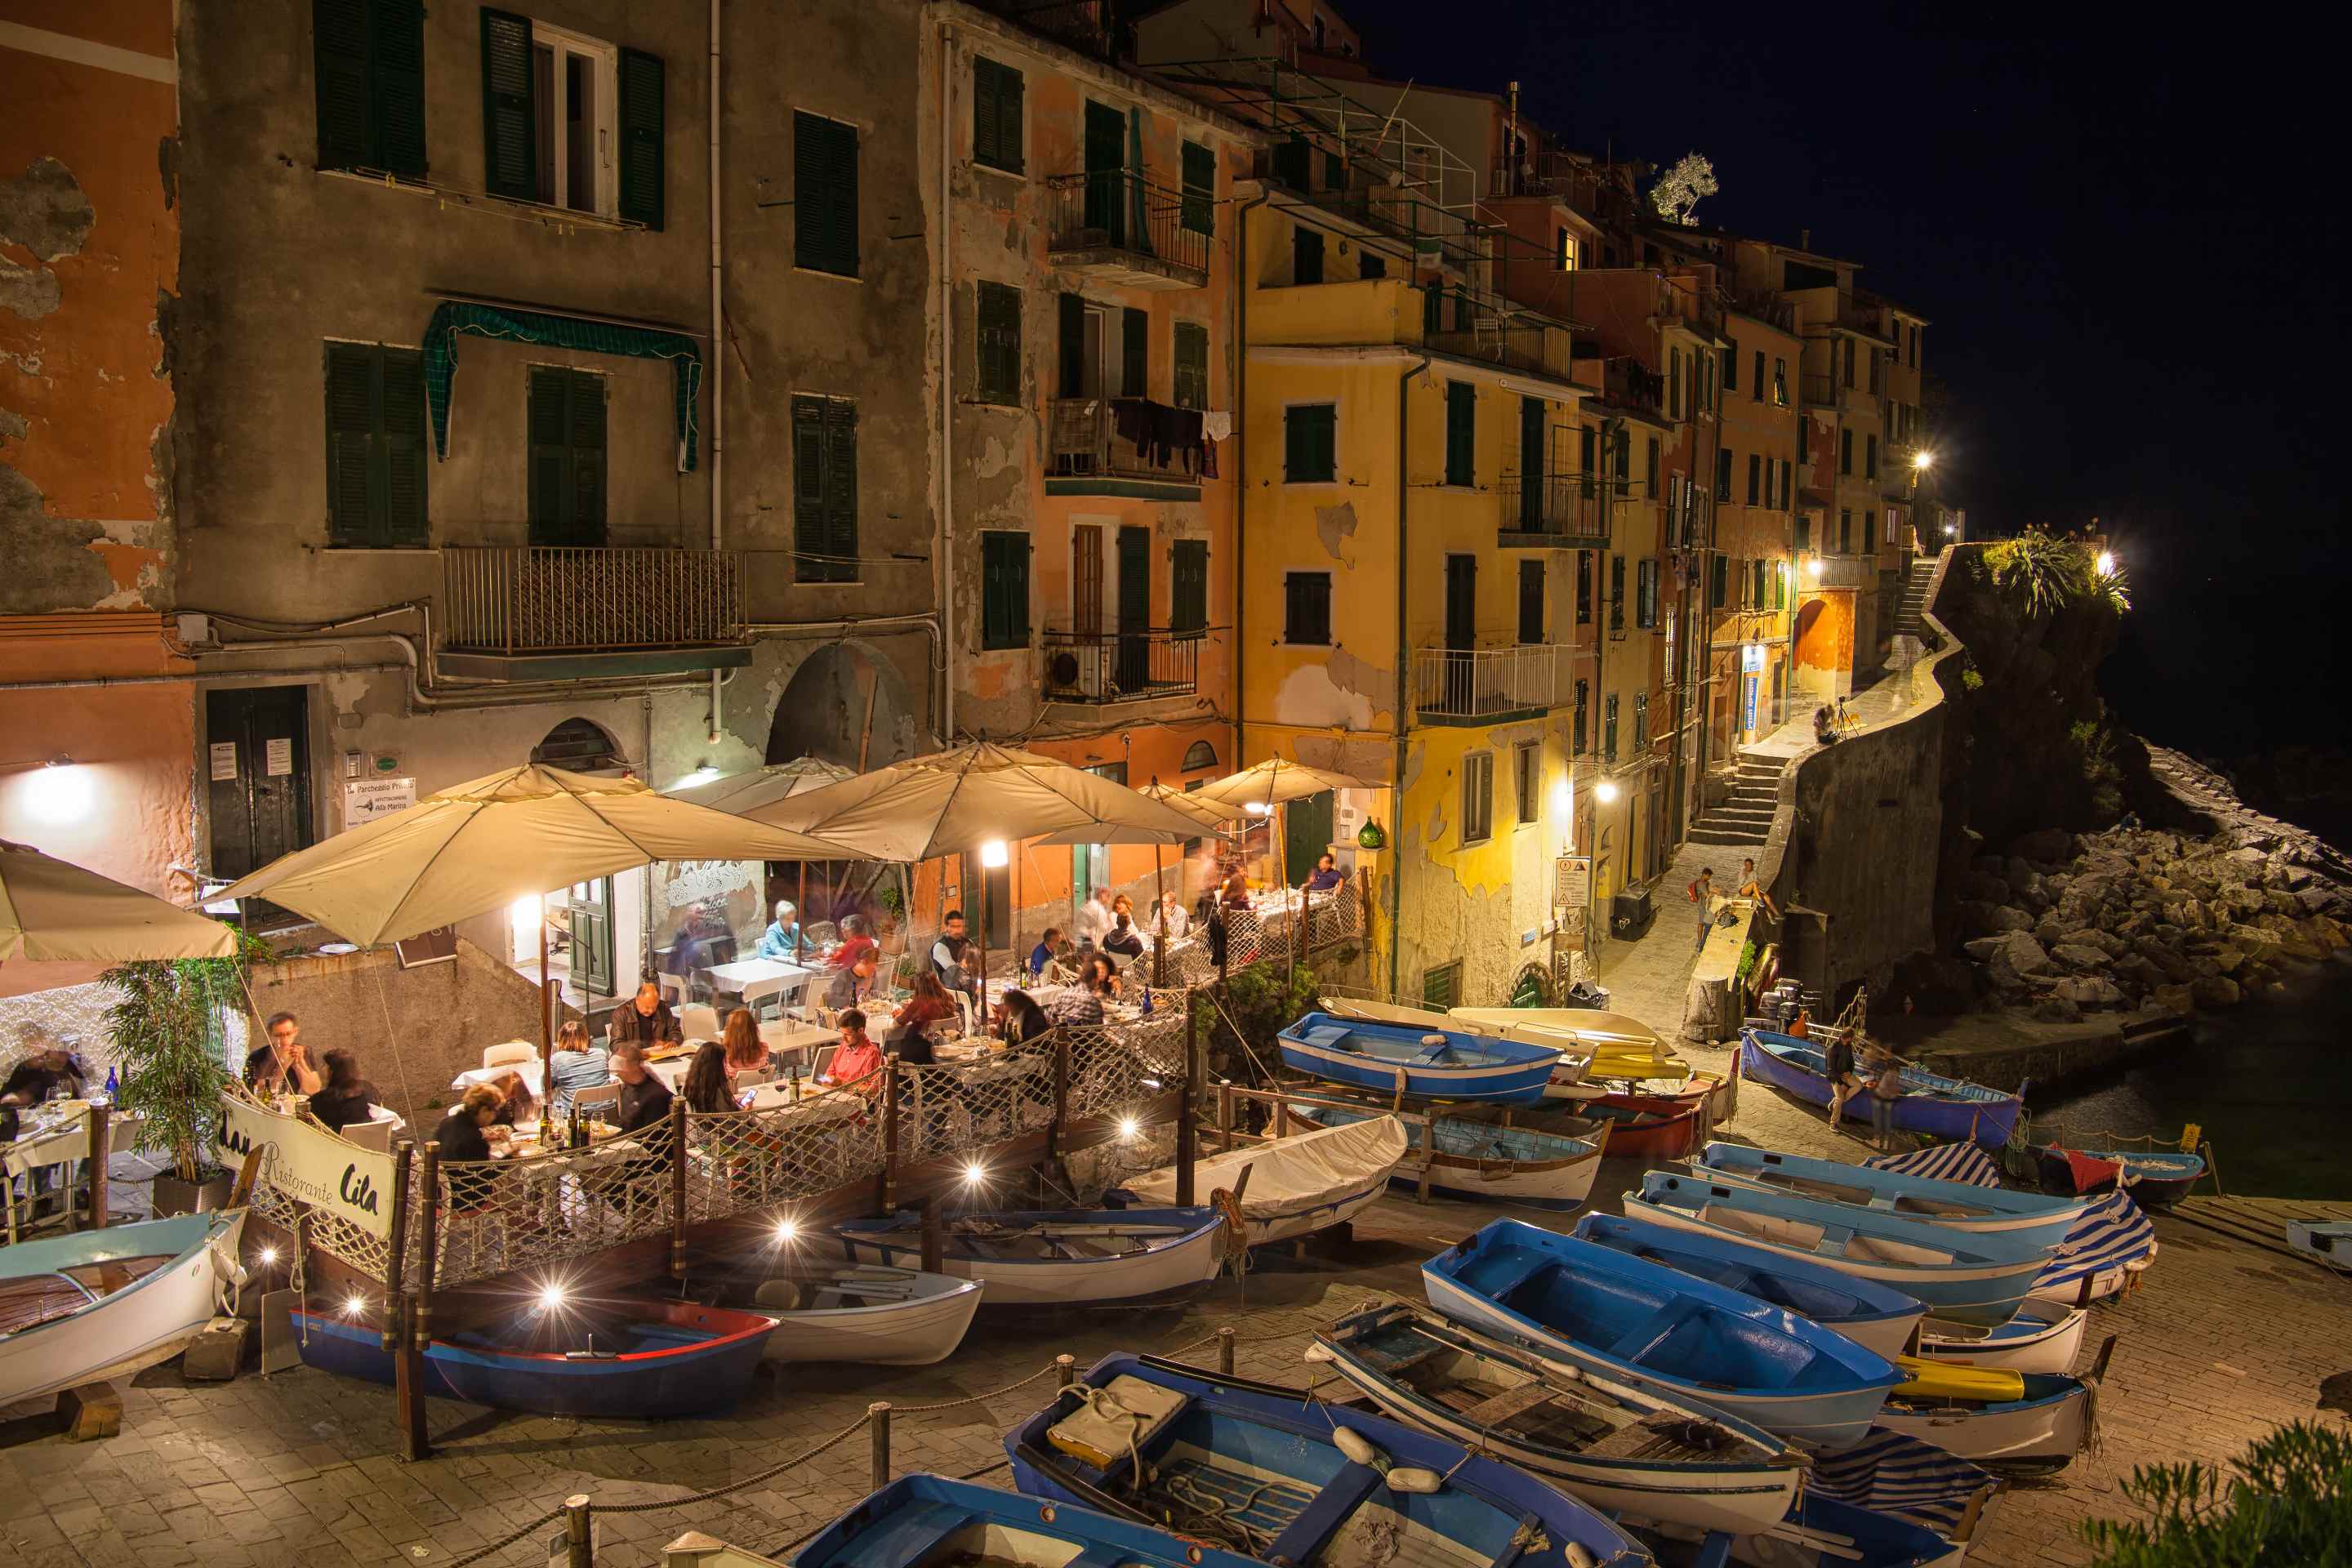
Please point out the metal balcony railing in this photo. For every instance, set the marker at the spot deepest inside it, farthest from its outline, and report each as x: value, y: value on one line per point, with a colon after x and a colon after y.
x: 1121, y: 665
x: 1114, y: 220
x: 1089, y: 26
x: 1569, y: 511
x: 1479, y: 682
x: 1496, y: 342
x: 1859, y: 318
x: 514, y: 599
x: 1820, y: 391
x: 1627, y: 381
x: 1127, y: 439
x: 1765, y: 307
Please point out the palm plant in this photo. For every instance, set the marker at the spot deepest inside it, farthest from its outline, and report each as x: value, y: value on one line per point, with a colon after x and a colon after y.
x: 169, y: 1038
x: 2050, y: 572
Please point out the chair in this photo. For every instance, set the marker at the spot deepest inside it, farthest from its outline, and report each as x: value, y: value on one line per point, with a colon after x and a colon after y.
x: 512, y: 1053
x: 673, y: 988
x: 605, y: 1097
x: 824, y: 1061
x: 699, y: 1021
x: 816, y: 933
x: 755, y: 1078
x: 374, y: 1135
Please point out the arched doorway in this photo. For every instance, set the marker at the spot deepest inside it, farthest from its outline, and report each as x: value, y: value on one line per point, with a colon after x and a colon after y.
x: 848, y: 705
x: 588, y: 912
x: 580, y: 746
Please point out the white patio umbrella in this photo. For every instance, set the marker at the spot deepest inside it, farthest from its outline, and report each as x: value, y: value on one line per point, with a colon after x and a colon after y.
x: 52, y: 909
x: 756, y: 788
x: 1278, y: 781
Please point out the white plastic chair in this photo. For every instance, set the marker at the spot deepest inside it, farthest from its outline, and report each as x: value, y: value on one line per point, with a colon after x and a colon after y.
x: 699, y: 1021
x: 509, y: 1055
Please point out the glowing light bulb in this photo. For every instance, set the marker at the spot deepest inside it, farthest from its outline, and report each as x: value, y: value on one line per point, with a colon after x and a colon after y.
x: 551, y: 1297
x: 354, y: 1305
x: 2106, y: 564
x: 975, y: 1173
x: 269, y: 1257
x: 1129, y: 1127
x: 1604, y: 792
x: 787, y: 1232
x: 994, y: 855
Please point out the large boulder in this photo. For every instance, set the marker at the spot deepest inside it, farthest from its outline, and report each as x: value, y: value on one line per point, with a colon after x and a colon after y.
x: 1982, y: 948
x: 1983, y: 887
x: 2081, y: 955
x: 2056, y: 1009
x: 2018, y: 957
x: 2215, y: 991
x: 2176, y: 999
x: 2008, y: 917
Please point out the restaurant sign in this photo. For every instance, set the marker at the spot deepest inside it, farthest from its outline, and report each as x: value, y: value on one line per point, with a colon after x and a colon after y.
x: 311, y: 1163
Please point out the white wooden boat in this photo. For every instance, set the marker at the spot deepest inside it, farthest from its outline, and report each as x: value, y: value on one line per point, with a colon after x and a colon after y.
x: 867, y: 1313
x: 2041, y: 1338
x: 1483, y: 1162
x: 1575, y: 1059
x: 1297, y: 1185
x: 1621, y: 1045
x: 1066, y: 1257
x: 101, y: 1303
x: 2019, y: 1422
x: 2328, y: 1241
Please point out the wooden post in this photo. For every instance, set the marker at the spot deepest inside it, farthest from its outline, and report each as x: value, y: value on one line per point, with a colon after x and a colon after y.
x: 1159, y: 905
x: 1058, y: 1136
x: 877, y: 1422
x: 408, y: 1365
x: 1225, y: 1351
x: 395, y: 1265
x: 546, y: 1008
x: 676, y: 1186
x: 889, y: 1144
x: 96, y: 1124
x: 1188, y: 1124
x: 1066, y: 1370
x: 1224, y: 1113
x: 578, y: 1551
x: 934, y: 1238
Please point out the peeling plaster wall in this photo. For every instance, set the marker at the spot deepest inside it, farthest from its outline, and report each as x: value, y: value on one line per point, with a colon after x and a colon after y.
x: 89, y: 240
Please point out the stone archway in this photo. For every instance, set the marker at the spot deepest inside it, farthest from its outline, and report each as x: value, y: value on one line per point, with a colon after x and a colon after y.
x: 845, y: 704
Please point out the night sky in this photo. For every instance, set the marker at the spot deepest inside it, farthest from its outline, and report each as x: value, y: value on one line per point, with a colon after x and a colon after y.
x: 2128, y: 246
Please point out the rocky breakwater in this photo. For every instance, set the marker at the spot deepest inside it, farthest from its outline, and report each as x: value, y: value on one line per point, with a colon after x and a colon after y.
x: 2133, y: 918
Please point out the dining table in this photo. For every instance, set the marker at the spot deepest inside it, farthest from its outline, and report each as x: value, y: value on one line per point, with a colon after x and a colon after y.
x: 53, y: 1133
x: 757, y: 980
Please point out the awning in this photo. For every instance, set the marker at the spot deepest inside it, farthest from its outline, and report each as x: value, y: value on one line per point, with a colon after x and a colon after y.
x: 2109, y: 1231
x: 453, y: 317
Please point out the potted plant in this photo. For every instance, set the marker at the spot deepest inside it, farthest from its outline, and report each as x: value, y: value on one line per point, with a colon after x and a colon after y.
x: 168, y: 1042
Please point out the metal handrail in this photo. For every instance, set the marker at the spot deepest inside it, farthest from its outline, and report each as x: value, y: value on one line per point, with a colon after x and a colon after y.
x: 532, y: 598
x: 1130, y: 665
x: 1565, y: 507
x: 1086, y: 440
x: 1471, y: 682
x: 1120, y: 210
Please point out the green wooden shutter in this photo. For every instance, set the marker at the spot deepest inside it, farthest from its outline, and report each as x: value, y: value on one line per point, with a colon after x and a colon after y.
x: 809, y: 527
x: 1190, y: 384
x: 1309, y: 439
x: 996, y: 92
x: 984, y: 127
x: 345, y: 79
x: 841, y: 487
x: 1010, y: 87
x: 402, y: 420
x: 1460, y: 432
x: 998, y: 316
x: 1326, y: 456
x: 824, y: 207
x: 350, y: 428
x: 1188, y: 608
x: 396, y: 92
x: 547, y: 422
x: 509, y: 114
x: 587, y: 458
x: 1134, y: 353
x: 1005, y: 590
x: 1073, y: 346
x: 1200, y: 189
x: 641, y: 108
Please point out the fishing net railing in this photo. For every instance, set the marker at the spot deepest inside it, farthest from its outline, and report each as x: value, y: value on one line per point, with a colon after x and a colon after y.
x: 1299, y: 924
x: 950, y: 1108
x: 535, y: 1209
x: 1114, y: 1071
x: 741, y: 1160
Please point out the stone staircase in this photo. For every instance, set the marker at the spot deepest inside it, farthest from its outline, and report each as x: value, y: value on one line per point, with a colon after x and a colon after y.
x: 1745, y: 816
x: 1910, y: 622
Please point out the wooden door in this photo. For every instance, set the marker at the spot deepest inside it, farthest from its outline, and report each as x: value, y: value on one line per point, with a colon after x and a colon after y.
x: 1531, y: 463
x: 1306, y: 834
x: 1461, y: 631
x: 591, y: 955
x: 1086, y: 580
x: 257, y: 753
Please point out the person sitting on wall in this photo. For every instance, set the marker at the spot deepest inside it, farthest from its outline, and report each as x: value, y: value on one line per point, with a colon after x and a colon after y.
x: 346, y: 1098
x: 281, y: 1064
x: 647, y: 1019
x: 782, y: 938
x: 1750, y: 889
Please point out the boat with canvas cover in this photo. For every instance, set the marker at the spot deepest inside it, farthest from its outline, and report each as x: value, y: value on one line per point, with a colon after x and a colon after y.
x: 1955, y: 1205
x: 1482, y: 1161
x: 1055, y: 1258
x: 103, y: 1303
x: 2012, y: 1421
x: 1415, y: 1059
x: 2041, y: 1338
x: 931, y: 1521
x: 862, y: 1312
x: 1661, y: 1331
x: 1938, y: 1107
x: 1970, y: 1278
x: 1874, y: 1316
x: 625, y: 1358
x: 1257, y: 1468
x: 1613, y: 1446
x: 1299, y: 1184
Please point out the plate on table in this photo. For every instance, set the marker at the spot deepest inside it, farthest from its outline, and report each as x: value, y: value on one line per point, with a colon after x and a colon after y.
x: 338, y: 949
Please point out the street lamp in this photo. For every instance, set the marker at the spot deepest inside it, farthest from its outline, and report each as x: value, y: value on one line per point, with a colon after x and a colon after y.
x: 2106, y: 564
x: 1923, y: 460
x: 1604, y: 792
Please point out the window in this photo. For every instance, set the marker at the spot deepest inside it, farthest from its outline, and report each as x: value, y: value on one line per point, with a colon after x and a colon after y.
x: 1804, y: 532
x: 1641, y: 721
x: 1869, y: 530
x: 1785, y: 499
x: 1135, y: 353
x: 1756, y: 380
x: 1719, y: 581
x: 1874, y: 369
x: 1755, y: 477
x: 824, y: 205
x: 570, y: 121
x: 566, y: 416
x: 1702, y: 383
x: 1584, y: 587
x: 1609, y: 727
x: 370, y: 56
x: 1307, y: 608
x: 1673, y: 386
x: 1583, y: 703
x: 1723, y: 474
x: 1645, y: 594
x: 996, y: 112
x: 1731, y: 367
x: 1306, y: 255
x: 1188, y: 382
x: 1780, y: 383
x: 1756, y: 586
x: 1870, y: 456
x: 824, y: 489
x: 1616, y: 592
x: 1370, y: 264
x: 1914, y: 355
x: 1845, y: 531
x: 1527, y: 778
x: 1004, y: 590
x: 1461, y: 433
x: 1200, y: 208
x: 1532, y: 602
x: 1187, y: 596
x: 1567, y: 251
x: 1310, y: 443
x: 375, y: 448
x: 1845, y: 451
x: 1625, y: 463
x: 1586, y: 463
x: 998, y: 310
x: 1848, y: 361
x: 1200, y: 756
x: 1651, y: 471
x: 1335, y: 171
x: 1442, y: 986
x: 1477, y: 798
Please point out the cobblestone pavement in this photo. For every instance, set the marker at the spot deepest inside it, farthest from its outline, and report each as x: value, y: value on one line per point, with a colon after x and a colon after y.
x: 2223, y: 1344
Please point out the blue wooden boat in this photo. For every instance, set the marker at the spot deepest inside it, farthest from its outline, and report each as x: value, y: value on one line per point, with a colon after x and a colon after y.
x: 2155, y: 1178
x: 931, y: 1519
x: 1876, y: 1317
x: 1431, y: 1063
x: 1968, y: 1279
x: 1287, y: 1479
x: 629, y: 1359
x: 1955, y: 1205
x: 1662, y: 1331
x: 1938, y: 1107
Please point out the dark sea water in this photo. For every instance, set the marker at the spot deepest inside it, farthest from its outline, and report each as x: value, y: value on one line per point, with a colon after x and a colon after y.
x: 2270, y: 1083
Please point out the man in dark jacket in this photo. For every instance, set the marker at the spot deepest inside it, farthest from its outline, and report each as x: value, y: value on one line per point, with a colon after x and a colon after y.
x: 644, y: 1098
x: 647, y: 1019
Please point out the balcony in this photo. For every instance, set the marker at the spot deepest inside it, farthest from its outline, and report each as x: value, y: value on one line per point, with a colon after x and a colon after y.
x: 1867, y: 320
x: 1555, y: 511
x: 1088, y: 26
x: 1528, y: 348
x: 1117, y: 227
x: 1820, y: 391
x: 1629, y: 384
x: 1841, y: 571
x: 1488, y: 685
x: 1126, y: 446
x: 544, y: 612
x: 1122, y: 665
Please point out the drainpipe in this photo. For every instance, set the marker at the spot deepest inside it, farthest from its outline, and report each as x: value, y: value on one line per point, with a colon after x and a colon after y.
x: 717, y: 348
x: 1403, y: 677
x: 1241, y: 456
x: 943, y: 558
